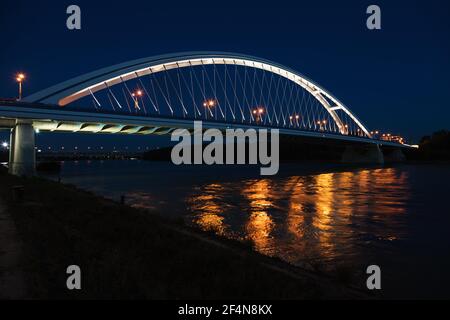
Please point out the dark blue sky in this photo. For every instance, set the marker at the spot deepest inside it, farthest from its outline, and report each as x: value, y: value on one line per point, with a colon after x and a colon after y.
x: 395, y: 79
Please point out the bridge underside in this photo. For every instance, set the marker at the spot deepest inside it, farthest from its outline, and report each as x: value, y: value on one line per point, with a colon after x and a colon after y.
x: 24, y: 121
x: 54, y: 119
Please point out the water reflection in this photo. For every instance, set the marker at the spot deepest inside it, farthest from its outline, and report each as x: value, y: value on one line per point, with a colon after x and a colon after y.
x: 310, y: 218
x: 208, y: 208
x: 259, y: 225
x: 393, y: 217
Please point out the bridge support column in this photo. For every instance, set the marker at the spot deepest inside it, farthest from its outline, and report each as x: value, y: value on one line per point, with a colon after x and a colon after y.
x: 367, y: 154
x: 395, y: 155
x: 22, y: 156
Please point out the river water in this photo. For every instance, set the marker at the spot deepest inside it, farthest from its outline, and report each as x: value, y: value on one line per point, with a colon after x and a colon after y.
x: 326, y: 217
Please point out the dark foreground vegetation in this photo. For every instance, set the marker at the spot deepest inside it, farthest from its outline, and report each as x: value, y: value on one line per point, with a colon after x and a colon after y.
x: 129, y: 253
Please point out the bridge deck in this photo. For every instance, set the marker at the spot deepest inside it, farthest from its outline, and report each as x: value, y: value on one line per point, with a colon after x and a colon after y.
x: 50, y: 118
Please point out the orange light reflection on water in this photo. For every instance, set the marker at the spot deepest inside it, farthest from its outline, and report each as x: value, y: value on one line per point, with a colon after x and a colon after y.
x: 300, y: 217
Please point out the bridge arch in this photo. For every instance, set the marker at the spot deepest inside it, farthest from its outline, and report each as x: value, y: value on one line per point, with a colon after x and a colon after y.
x: 88, y: 84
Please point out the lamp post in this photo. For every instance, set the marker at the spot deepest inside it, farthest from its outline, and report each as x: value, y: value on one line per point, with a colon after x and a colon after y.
x: 258, y: 112
x: 136, y: 95
x: 20, y: 78
x: 207, y: 104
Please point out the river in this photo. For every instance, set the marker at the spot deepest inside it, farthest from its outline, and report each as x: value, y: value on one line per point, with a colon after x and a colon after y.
x: 325, y: 217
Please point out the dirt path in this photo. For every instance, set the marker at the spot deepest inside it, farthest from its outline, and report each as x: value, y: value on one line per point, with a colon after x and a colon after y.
x: 12, y: 283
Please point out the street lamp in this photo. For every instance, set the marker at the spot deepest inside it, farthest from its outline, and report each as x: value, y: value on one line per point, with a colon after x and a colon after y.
x: 258, y: 112
x: 136, y: 95
x: 296, y: 117
x: 20, y: 78
x: 5, y: 145
x: 207, y: 104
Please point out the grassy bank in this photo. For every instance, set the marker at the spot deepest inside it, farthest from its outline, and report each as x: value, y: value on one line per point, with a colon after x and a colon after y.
x: 128, y: 253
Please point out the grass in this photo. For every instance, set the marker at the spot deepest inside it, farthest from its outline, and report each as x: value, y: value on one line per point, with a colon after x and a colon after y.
x: 127, y: 253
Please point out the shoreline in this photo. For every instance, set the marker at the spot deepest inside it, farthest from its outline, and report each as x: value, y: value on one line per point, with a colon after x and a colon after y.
x: 148, y: 256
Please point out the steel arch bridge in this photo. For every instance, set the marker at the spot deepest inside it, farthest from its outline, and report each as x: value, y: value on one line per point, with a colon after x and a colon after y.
x: 159, y: 94
x: 219, y: 87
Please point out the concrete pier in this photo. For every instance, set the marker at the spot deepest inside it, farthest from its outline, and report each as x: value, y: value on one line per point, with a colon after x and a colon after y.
x: 22, y: 156
x: 370, y: 154
x: 395, y: 155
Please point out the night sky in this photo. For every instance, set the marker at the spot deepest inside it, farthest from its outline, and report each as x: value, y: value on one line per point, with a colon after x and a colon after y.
x: 395, y: 79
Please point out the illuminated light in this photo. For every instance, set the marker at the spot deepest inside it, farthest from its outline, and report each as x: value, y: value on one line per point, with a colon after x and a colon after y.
x: 139, y: 93
x: 324, y: 121
x: 37, y: 130
x: 376, y: 132
x: 290, y: 117
x: 209, y: 103
x: 5, y: 144
x: 318, y: 122
x: 346, y: 126
x: 254, y: 111
x: 297, y: 117
x: 261, y: 110
x: 20, y: 77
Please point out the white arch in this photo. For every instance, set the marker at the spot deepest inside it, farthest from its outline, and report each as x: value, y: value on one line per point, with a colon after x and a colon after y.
x: 74, y: 89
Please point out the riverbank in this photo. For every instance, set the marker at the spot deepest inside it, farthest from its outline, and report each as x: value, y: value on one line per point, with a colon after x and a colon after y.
x: 125, y: 252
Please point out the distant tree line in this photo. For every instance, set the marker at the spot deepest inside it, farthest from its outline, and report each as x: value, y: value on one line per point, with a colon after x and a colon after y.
x: 434, y: 147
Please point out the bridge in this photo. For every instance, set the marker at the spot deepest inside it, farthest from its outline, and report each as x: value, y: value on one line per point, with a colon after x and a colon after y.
x: 156, y: 95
